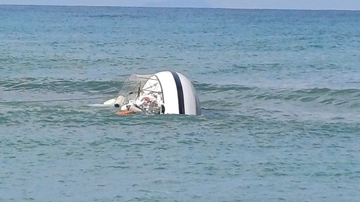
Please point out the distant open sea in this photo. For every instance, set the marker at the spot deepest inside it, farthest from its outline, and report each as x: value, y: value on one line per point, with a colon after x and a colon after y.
x: 279, y: 90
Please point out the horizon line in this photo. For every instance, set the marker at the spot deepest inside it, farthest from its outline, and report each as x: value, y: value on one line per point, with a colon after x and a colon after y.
x: 191, y: 7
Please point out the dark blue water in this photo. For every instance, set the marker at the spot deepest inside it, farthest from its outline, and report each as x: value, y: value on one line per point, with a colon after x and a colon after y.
x: 279, y: 89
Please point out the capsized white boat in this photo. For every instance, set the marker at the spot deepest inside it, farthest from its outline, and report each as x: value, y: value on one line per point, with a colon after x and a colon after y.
x: 165, y: 92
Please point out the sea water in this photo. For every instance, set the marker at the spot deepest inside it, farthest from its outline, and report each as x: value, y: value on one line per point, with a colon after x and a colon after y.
x: 279, y: 90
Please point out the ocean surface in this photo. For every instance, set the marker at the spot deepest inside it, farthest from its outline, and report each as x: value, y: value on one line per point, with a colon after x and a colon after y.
x: 279, y: 91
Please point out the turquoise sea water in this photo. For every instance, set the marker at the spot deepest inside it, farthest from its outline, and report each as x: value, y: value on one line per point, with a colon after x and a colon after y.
x: 279, y: 89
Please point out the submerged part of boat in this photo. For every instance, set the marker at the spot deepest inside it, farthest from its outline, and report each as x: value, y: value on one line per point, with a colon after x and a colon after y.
x: 161, y: 93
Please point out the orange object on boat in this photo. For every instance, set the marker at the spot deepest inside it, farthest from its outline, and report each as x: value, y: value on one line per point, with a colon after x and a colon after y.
x: 125, y: 112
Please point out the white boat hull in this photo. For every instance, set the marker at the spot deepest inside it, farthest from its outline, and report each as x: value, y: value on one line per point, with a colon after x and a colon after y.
x: 162, y: 93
